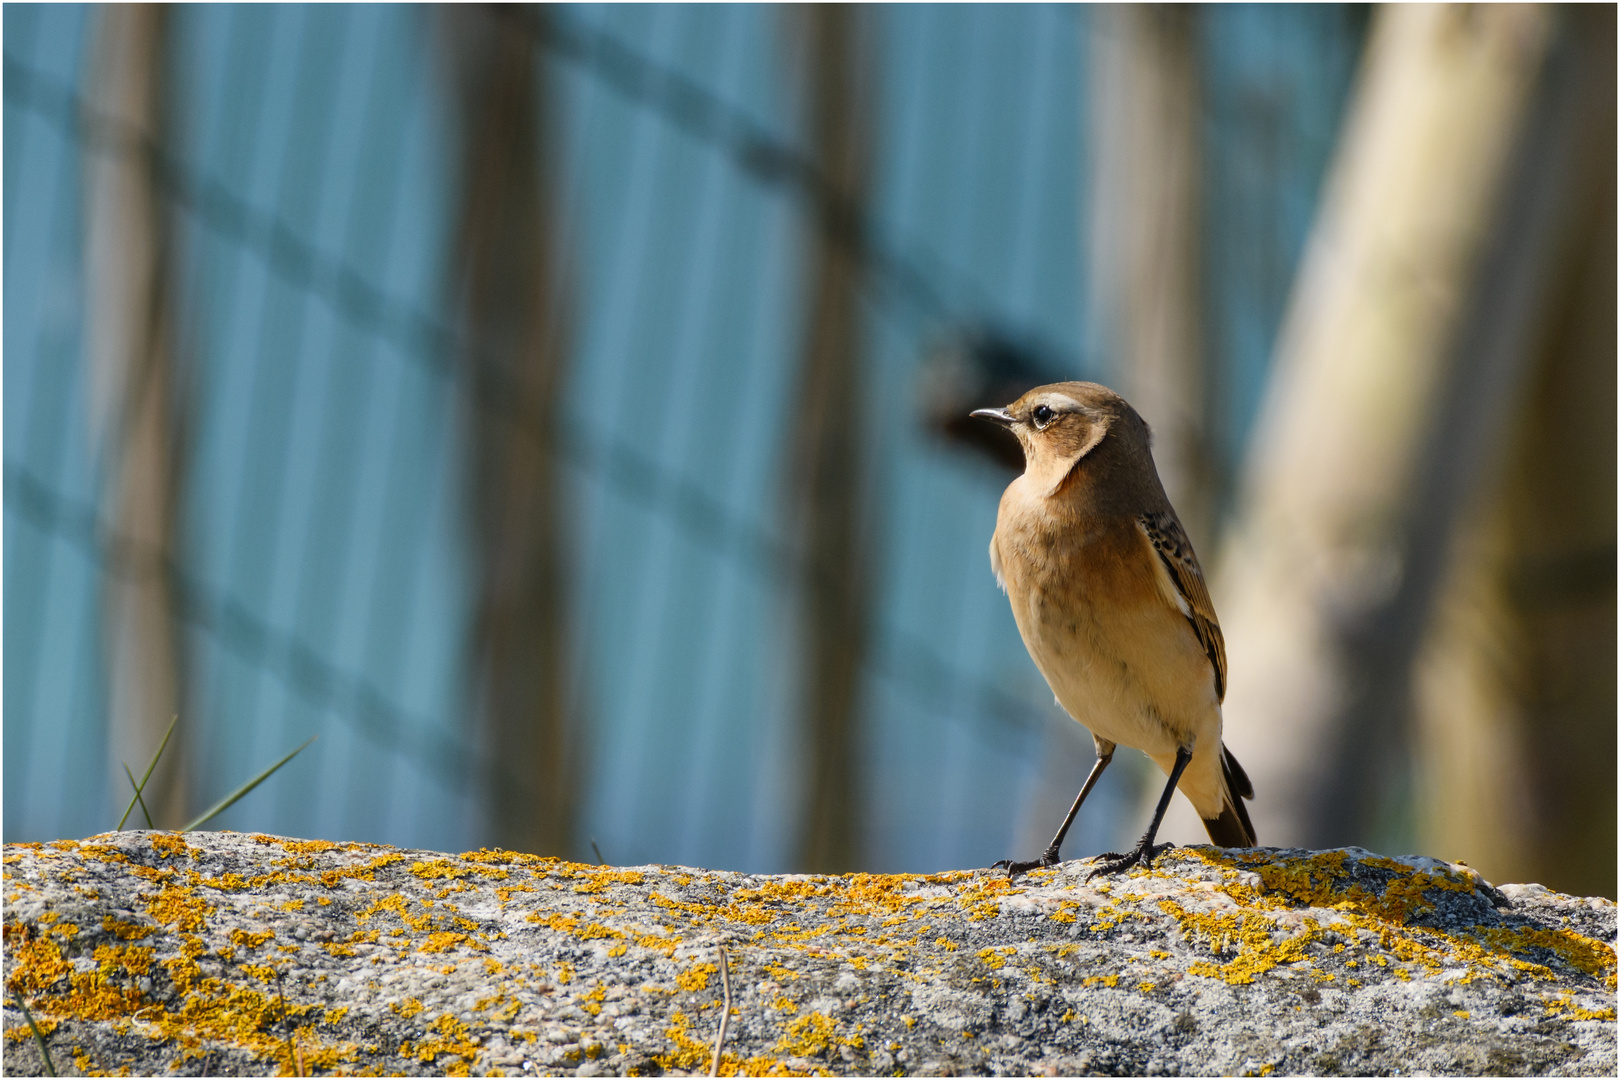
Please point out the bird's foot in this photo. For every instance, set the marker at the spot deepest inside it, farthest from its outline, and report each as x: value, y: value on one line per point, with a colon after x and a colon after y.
x: 1049, y: 857
x: 1141, y: 855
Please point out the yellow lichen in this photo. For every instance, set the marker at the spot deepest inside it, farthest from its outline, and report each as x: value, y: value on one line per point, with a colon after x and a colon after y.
x: 695, y: 977
x: 179, y: 908
x: 811, y: 1035
x: 445, y: 940
x: 169, y: 845
x: 449, y: 1037
x: 250, y: 939
x: 592, y: 1002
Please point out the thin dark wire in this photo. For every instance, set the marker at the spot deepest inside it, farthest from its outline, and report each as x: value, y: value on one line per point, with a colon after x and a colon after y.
x: 23, y: 27
x: 692, y: 108
x: 54, y: 382
x: 284, y: 337
x: 380, y: 634
x: 238, y: 114
x: 235, y: 625
x: 429, y: 340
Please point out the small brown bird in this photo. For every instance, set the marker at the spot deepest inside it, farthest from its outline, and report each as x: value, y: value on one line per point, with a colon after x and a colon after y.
x: 1112, y: 606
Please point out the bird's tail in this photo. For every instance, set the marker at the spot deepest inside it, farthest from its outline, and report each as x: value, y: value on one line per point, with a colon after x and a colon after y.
x: 1232, y: 828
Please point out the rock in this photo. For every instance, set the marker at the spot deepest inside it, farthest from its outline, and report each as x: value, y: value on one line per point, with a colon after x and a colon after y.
x: 225, y: 953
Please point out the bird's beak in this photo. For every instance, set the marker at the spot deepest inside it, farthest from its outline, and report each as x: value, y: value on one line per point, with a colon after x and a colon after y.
x: 995, y: 416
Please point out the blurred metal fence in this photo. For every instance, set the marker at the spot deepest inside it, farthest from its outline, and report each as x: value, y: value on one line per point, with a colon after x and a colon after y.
x: 324, y: 573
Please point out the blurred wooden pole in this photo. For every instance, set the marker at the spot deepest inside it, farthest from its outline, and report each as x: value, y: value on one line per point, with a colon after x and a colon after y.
x: 515, y: 339
x: 1324, y: 578
x: 826, y: 481
x: 129, y: 294
x: 1146, y: 226
x: 1516, y: 680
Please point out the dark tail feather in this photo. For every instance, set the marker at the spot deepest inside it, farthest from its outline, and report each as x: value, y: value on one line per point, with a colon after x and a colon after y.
x: 1233, y: 828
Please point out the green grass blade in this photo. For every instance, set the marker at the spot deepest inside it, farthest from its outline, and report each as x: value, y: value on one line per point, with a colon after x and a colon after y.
x: 147, y: 814
x: 229, y: 800
x: 140, y: 787
x: 45, y: 1054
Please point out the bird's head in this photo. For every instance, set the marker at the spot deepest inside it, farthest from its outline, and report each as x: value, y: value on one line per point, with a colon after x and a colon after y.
x: 1063, y: 424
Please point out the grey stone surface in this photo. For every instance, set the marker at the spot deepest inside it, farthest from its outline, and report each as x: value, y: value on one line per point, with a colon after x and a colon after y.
x: 223, y: 953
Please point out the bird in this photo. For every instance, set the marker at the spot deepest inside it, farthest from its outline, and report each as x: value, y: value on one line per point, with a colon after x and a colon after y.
x: 1112, y: 606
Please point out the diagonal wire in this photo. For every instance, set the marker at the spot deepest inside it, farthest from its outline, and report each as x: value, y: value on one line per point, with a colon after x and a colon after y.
x: 252, y: 639
x: 430, y: 341
x: 702, y: 114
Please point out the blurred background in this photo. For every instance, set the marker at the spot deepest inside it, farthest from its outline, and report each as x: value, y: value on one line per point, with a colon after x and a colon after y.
x: 558, y: 411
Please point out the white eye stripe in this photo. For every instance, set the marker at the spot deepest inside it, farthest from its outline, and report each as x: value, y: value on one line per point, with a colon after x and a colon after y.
x: 1061, y: 403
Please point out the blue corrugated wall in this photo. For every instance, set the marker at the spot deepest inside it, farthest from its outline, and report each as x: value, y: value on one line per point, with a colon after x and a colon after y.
x: 323, y: 530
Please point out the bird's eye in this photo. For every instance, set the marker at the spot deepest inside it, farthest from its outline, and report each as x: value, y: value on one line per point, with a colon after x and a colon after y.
x: 1043, y: 415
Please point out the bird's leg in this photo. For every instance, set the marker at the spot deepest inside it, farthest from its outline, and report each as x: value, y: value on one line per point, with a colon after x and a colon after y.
x: 1144, y: 851
x: 1049, y: 857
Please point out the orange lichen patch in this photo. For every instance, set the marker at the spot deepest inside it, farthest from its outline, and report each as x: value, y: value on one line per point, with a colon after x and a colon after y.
x: 250, y: 939
x: 570, y: 924
x: 226, y: 882
x: 792, y: 934
x: 689, y: 1053
x: 505, y: 891
x: 22, y: 1032
x: 395, y: 903
x: 132, y: 960
x: 1564, y: 1005
x: 407, y: 1008
x: 695, y: 978
x: 37, y: 962
x: 665, y: 945
x: 1582, y: 953
x: 363, y: 872
x: 171, y: 844
x: 812, y: 1035
x: 1110, y: 916
x: 1322, y: 881
x: 599, y: 880
x: 41, y: 973
x: 216, y: 1011
x: 179, y: 908
x: 502, y: 856
x: 592, y: 1002
x: 446, y: 940
x: 432, y: 869
x: 450, y: 1038
x: 1247, y: 933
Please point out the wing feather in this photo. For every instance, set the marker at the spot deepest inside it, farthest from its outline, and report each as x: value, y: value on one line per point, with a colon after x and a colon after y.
x: 1175, y: 552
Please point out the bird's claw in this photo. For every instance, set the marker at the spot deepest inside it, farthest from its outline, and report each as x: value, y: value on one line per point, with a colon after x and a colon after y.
x: 1049, y: 857
x: 1141, y: 855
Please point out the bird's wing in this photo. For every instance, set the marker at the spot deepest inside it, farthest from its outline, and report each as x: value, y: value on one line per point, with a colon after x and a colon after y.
x: 1191, y: 595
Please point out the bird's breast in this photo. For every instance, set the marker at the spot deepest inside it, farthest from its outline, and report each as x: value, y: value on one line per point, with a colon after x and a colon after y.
x: 1118, y: 658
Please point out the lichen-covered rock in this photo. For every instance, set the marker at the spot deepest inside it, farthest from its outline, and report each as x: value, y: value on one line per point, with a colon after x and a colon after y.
x: 225, y: 953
